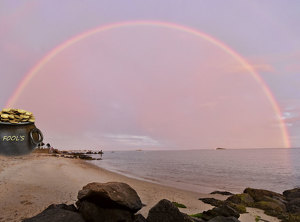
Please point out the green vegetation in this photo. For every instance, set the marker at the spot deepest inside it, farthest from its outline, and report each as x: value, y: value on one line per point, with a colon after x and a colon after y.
x: 199, y: 215
x: 239, y: 207
x: 257, y: 218
x: 294, y: 218
x: 269, y: 207
x: 179, y: 205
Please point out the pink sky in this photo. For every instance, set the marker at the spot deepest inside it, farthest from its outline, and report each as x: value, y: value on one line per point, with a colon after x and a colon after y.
x: 150, y: 87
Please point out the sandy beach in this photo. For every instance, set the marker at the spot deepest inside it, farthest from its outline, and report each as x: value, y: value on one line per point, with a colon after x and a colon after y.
x: 29, y: 184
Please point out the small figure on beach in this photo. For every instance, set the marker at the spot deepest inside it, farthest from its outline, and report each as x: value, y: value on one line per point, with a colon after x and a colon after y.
x: 101, y: 153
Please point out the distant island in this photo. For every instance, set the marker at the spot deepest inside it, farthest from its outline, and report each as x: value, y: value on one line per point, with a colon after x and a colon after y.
x: 220, y: 148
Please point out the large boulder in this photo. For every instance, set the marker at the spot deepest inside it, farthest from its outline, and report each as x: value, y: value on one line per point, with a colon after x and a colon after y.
x: 111, y: 195
x: 188, y: 218
x: 212, y: 201
x: 223, y: 219
x: 234, y: 202
x: 139, y: 218
x: 225, y: 193
x: 57, y: 213
x: 260, y: 194
x: 224, y: 210
x: 166, y: 211
x: 293, y: 206
x: 93, y: 213
x: 292, y: 194
x: 244, y: 199
x: 270, y: 207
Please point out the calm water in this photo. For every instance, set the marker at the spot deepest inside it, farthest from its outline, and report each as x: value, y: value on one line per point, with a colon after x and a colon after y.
x: 208, y: 170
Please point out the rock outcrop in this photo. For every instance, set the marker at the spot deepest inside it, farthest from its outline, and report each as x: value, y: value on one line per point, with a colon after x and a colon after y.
x: 166, y: 211
x: 225, y: 193
x: 292, y: 194
x: 212, y: 201
x: 118, y: 202
x: 223, y: 219
x: 139, y: 218
x: 244, y: 199
x: 109, y: 201
x: 284, y: 206
x: 223, y: 210
x: 105, y: 202
x: 111, y: 195
x: 57, y: 213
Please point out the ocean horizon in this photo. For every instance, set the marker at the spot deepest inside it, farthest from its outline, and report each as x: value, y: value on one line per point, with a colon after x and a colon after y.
x: 207, y: 170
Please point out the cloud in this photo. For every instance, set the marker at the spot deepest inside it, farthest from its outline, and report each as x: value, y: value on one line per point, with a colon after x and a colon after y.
x: 132, y: 140
x: 291, y: 117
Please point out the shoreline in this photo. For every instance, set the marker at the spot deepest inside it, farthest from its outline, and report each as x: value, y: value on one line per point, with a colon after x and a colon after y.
x: 177, y: 185
x: 29, y: 184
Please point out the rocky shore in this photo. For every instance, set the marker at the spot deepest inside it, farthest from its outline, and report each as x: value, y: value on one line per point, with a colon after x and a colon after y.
x: 113, y: 202
x: 285, y: 207
x: 118, y: 202
x: 30, y: 184
x: 84, y: 155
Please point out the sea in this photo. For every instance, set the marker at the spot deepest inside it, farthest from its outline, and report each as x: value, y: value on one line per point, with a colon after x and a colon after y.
x: 207, y: 170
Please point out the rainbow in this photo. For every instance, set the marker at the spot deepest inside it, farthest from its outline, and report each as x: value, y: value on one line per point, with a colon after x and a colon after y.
x: 34, y: 70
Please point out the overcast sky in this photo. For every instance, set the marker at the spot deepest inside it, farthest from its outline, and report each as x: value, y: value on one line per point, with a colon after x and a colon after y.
x: 154, y: 87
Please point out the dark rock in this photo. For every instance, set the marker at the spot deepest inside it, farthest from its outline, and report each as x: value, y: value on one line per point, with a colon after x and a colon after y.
x: 260, y: 195
x: 279, y: 202
x: 70, y: 207
x: 240, y: 208
x: 223, y: 219
x: 270, y: 207
x: 243, y: 198
x: 93, y: 213
x: 236, y: 203
x: 86, y: 157
x: 293, y: 206
x: 226, y: 193
x: 292, y: 218
x: 192, y: 219
x: 212, y: 201
x: 57, y: 213
x: 292, y: 194
x: 223, y: 210
x: 139, y: 218
x: 166, y: 211
x: 111, y: 195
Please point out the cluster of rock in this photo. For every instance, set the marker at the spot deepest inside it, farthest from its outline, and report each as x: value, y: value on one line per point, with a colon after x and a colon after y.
x: 284, y: 206
x: 118, y: 202
x: 76, y: 155
x: 113, y: 202
x: 85, y: 155
x: 95, y: 152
